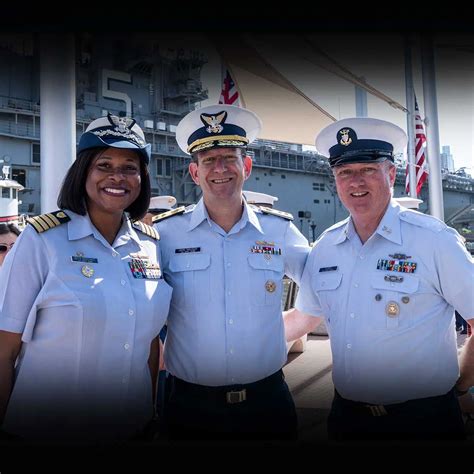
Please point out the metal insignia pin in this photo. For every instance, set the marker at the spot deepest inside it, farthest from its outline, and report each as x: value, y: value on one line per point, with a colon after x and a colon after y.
x: 392, y: 309
x: 79, y: 254
x: 405, y: 299
x: 378, y: 297
x: 270, y: 286
x: 87, y: 271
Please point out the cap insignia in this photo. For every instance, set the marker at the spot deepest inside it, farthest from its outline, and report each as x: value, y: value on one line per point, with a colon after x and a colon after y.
x: 345, y: 139
x: 214, y: 121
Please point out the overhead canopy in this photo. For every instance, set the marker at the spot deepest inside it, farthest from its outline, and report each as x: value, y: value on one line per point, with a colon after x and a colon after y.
x: 286, y: 112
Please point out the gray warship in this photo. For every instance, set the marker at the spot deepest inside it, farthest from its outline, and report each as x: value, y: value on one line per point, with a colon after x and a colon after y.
x: 162, y: 85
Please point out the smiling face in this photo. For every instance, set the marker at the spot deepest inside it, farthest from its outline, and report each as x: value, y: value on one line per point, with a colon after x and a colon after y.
x: 113, y: 182
x: 365, y: 188
x: 221, y: 172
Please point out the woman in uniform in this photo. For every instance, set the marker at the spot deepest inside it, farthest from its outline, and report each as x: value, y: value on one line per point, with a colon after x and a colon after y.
x: 82, y: 300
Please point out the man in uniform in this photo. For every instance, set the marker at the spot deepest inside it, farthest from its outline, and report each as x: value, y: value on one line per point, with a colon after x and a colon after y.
x: 387, y: 280
x: 225, y: 260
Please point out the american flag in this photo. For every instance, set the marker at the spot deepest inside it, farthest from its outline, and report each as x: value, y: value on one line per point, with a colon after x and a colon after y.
x: 229, y: 93
x: 420, y: 157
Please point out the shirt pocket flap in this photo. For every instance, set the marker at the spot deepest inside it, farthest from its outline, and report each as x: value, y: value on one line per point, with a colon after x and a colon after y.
x: 259, y: 262
x: 189, y: 262
x: 409, y: 284
x: 326, y: 281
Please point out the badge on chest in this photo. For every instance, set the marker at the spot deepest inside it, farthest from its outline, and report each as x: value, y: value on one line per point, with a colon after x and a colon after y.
x: 144, y: 269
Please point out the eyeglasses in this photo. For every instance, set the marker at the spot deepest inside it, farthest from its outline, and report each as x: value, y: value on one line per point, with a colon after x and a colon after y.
x: 5, y: 247
x: 127, y: 170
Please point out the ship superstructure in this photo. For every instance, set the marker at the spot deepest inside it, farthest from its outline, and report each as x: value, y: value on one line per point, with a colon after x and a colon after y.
x: 157, y: 84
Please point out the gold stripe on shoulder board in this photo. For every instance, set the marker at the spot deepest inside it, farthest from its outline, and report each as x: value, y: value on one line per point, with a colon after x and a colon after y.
x: 44, y: 222
x: 276, y: 212
x: 146, y: 229
x: 165, y: 215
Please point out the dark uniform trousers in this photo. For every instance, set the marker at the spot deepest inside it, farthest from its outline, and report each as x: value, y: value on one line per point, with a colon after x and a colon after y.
x: 255, y: 411
x: 429, y: 418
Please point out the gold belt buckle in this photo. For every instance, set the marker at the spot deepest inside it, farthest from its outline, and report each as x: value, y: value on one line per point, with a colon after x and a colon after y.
x: 236, y: 396
x: 377, y: 410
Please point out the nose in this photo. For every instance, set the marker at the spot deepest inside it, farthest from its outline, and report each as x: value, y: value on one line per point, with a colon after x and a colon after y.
x: 117, y: 173
x: 220, y: 165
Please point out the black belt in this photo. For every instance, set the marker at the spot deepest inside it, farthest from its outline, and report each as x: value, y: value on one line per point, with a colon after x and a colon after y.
x: 236, y: 393
x: 363, y: 408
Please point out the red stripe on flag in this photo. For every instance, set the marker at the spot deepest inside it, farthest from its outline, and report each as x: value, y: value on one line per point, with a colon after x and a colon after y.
x: 420, y: 157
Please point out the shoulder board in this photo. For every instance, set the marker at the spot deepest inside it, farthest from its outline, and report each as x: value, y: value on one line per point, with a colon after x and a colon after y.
x: 422, y: 220
x: 276, y: 212
x: 165, y: 215
x: 44, y: 222
x: 146, y: 229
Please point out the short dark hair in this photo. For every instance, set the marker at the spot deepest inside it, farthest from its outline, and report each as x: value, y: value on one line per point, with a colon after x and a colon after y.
x: 7, y: 227
x: 73, y: 190
x: 243, y: 152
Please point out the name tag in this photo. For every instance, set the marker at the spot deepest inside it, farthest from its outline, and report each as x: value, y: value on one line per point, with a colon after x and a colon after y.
x: 327, y: 269
x: 188, y: 250
x: 76, y: 258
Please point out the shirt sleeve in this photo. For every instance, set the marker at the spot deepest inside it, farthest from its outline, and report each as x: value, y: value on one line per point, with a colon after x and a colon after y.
x: 21, y: 278
x: 455, y: 271
x: 296, y: 252
x: 307, y: 301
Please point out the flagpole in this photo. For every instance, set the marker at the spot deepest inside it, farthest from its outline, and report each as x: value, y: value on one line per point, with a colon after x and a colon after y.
x: 410, y: 102
x: 432, y: 127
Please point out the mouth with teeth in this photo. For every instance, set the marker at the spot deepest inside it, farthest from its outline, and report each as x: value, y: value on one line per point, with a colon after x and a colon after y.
x: 357, y: 195
x: 115, y: 191
x: 221, y: 180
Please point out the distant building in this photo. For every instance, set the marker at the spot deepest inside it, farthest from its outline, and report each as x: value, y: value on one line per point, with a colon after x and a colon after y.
x: 447, y: 162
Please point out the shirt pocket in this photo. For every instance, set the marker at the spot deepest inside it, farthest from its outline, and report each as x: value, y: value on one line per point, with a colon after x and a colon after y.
x: 266, y: 276
x: 393, y: 302
x: 326, y: 285
x: 191, y: 278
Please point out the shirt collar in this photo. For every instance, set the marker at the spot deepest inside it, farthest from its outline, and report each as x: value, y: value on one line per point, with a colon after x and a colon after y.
x: 81, y: 226
x: 389, y: 226
x: 343, y: 232
x: 199, y: 214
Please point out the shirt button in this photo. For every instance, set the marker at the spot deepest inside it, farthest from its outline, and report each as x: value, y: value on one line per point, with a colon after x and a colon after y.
x: 130, y: 312
x: 229, y: 293
x: 114, y: 254
x: 361, y: 257
x: 228, y: 264
x: 356, y: 285
x: 349, y: 346
x: 126, y: 346
x: 122, y: 282
x: 124, y: 380
x: 231, y: 351
x: 231, y: 321
x: 352, y: 315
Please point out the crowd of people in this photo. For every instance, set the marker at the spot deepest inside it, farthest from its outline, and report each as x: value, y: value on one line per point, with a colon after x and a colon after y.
x: 123, y: 317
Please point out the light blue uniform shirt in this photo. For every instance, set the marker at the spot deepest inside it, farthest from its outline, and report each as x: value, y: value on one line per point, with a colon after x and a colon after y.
x: 378, y: 356
x: 225, y: 324
x: 82, y: 370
